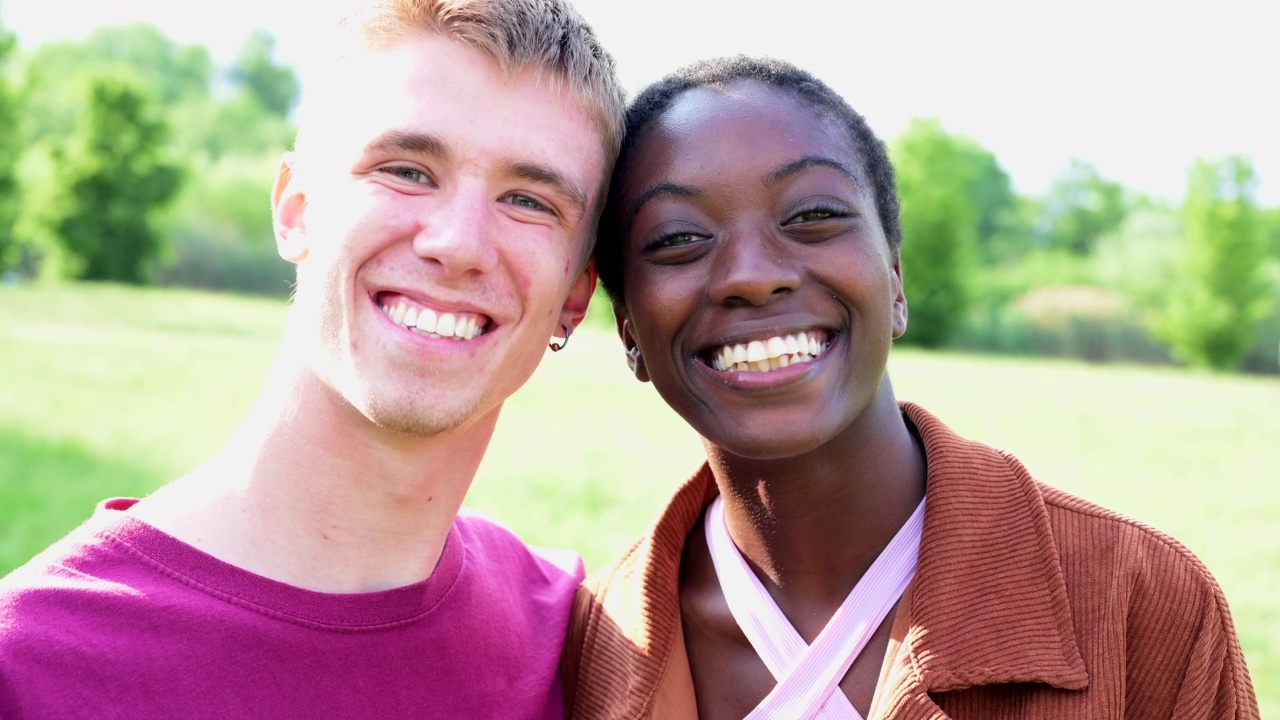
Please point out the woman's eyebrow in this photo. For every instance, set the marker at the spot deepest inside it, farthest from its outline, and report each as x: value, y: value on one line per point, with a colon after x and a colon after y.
x: 806, y: 162
x: 665, y: 188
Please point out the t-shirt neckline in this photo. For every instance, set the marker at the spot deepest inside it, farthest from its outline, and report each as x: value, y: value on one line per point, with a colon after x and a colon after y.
x: 345, y: 612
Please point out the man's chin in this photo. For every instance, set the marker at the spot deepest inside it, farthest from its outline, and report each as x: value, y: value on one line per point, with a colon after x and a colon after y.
x: 417, y: 422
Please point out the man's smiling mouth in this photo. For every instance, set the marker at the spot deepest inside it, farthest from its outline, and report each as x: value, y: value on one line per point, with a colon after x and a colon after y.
x: 765, y: 354
x: 430, y: 323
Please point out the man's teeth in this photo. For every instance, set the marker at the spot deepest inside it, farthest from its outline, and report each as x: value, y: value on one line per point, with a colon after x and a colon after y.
x: 772, y: 354
x: 425, y: 321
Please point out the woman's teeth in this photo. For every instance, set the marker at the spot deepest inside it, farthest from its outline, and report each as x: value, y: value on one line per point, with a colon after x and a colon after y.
x: 772, y: 354
x: 425, y: 321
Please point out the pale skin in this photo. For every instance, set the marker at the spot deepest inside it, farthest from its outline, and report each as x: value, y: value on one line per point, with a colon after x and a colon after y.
x: 467, y: 192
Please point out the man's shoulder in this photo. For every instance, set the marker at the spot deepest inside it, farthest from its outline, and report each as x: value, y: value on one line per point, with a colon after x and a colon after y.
x: 55, y: 609
x: 79, y: 562
x: 497, y: 550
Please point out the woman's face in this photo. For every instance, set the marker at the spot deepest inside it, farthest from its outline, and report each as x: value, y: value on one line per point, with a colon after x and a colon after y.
x: 759, y: 288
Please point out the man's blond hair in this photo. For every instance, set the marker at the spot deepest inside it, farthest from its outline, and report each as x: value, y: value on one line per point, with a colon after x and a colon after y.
x: 546, y: 36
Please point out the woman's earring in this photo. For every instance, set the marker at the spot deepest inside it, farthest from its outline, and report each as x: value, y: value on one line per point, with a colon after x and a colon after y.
x: 558, y: 346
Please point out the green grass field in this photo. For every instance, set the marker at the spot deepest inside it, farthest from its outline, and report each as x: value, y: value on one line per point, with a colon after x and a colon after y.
x: 111, y: 391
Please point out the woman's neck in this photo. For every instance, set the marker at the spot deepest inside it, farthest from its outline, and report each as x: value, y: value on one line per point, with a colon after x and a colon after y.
x: 810, y: 526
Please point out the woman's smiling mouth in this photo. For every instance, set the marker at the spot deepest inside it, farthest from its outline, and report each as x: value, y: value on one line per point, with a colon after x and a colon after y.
x: 766, y: 354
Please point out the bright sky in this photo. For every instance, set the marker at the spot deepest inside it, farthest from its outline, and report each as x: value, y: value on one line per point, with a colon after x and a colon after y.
x: 1137, y: 87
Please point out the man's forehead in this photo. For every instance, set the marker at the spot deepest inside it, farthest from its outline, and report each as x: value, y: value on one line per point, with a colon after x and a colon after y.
x: 461, y: 97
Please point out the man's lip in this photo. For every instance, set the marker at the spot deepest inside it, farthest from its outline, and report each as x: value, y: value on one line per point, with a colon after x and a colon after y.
x: 410, y: 314
x: 452, y: 305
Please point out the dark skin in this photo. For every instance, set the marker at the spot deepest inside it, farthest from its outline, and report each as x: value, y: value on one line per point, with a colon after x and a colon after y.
x: 751, y: 220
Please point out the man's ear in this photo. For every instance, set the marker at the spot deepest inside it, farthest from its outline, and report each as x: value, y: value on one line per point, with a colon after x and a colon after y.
x: 575, y: 306
x: 899, y: 300
x: 287, y: 204
x: 635, y: 360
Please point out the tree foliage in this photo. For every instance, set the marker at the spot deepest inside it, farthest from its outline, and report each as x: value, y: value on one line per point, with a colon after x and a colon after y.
x: 171, y: 73
x: 1222, y: 292
x: 274, y: 87
x: 1081, y: 208
x: 10, y: 152
x: 1003, y: 229
x: 1270, y: 221
x: 219, y: 120
x: 116, y: 176
x: 936, y: 181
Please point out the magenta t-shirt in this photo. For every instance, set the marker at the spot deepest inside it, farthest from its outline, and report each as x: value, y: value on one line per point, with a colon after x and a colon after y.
x: 120, y: 620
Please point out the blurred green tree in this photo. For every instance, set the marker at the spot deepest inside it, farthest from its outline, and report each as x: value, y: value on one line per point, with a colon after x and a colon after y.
x: 1080, y: 208
x: 116, y: 175
x: 940, y: 221
x: 1004, y: 221
x: 274, y: 87
x: 1270, y: 221
x: 10, y: 152
x: 1222, y: 292
x: 56, y: 72
x: 219, y: 126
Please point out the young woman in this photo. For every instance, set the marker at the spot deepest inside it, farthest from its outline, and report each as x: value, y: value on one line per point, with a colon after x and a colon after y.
x: 842, y: 555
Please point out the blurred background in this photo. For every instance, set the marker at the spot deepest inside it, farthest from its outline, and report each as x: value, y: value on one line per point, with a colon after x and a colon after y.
x: 1098, y: 180
x: 1091, y: 212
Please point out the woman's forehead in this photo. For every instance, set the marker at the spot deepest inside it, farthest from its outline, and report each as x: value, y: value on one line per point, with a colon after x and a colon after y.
x: 742, y: 124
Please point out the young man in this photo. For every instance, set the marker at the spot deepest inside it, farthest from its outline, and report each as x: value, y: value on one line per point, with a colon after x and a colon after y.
x: 439, y: 207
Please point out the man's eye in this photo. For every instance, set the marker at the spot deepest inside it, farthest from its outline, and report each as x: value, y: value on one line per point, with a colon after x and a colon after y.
x: 528, y: 203
x: 404, y: 172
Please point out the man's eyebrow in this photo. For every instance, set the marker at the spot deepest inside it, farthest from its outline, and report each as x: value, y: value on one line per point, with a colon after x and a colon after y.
x: 404, y: 141
x: 806, y: 162
x: 666, y: 188
x: 566, y: 187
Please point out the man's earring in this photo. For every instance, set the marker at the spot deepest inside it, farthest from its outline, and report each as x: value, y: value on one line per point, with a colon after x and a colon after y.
x: 558, y: 346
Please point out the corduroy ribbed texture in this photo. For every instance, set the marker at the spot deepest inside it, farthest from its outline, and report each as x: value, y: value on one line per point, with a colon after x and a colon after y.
x: 1027, y: 603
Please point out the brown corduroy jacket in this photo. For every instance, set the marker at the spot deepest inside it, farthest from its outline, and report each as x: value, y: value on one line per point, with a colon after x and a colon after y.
x: 1027, y: 603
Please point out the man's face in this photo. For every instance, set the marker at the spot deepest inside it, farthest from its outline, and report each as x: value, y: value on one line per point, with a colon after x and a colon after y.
x: 438, y: 217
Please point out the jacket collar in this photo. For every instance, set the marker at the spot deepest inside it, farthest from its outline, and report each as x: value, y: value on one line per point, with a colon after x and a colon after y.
x: 989, y: 602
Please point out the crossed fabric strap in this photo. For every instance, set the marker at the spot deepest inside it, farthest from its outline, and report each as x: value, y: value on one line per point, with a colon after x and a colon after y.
x: 809, y: 675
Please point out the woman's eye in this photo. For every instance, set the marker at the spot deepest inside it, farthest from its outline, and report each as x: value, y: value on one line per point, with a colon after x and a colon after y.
x: 677, y: 239
x: 673, y: 240
x: 816, y: 214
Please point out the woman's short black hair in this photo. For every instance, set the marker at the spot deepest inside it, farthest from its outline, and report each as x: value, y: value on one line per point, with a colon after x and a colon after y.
x: 655, y: 99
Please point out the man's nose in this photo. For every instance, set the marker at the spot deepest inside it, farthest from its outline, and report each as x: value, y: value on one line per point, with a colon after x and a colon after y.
x: 458, y: 234
x: 752, y: 267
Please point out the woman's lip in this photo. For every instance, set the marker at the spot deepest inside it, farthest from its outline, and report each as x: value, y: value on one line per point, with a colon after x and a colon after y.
x: 767, y: 380
x: 771, y: 353
x: 826, y: 334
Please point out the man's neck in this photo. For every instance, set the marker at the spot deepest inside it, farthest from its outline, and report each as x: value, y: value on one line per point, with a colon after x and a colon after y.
x: 310, y: 493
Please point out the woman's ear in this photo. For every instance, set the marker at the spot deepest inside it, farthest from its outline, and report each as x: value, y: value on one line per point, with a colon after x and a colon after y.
x: 899, y: 301
x: 635, y: 360
x: 287, y: 205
